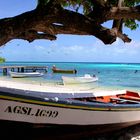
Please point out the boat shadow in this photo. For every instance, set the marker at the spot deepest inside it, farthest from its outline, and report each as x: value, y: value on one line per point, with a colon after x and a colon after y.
x: 25, y: 131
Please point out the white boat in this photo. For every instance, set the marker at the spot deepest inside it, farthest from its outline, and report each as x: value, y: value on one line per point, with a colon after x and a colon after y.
x: 24, y: 74
x: 75, y: 110
x: 77, y: 80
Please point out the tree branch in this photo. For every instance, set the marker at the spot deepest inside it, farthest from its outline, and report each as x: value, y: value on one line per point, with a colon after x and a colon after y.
x: 19, y: 27
x: 124, y: 12
x: 99, y: 3
x: 115, y: 13
x: 117, y: 25
x: 52, y: 19
x: 31, y: 35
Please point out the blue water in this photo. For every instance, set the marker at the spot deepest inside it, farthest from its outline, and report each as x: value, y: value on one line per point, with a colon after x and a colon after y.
x: 111, y: 75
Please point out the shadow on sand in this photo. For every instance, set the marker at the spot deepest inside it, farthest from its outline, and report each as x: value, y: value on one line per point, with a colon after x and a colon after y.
x: 18, y: 131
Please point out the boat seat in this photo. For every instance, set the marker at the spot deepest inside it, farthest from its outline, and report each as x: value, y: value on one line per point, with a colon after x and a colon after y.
x: 130, y: 98
x: 105, y: 99
x: 97, y: 101
x: 131, y: 93
x: 124, y: 100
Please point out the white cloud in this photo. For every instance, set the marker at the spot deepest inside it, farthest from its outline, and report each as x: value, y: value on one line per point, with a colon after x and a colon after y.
x: 39, y: 48
x: 100, y: 52
x: 90, y: 51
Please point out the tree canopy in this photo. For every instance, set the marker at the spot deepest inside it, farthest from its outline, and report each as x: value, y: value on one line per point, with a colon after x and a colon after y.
x: 77, y: 17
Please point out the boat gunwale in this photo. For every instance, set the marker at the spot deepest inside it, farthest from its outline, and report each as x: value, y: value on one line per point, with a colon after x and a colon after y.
x: 67, y: 103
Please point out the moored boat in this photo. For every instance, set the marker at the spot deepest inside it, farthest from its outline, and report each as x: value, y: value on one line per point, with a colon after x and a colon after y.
x: 78, y: 80
x: 77, y: 110
x: 64, y: 71
x: 24, y: 74
x: 67, y: 71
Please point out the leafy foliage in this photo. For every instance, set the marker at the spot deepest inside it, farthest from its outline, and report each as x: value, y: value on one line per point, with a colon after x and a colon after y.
x: 130, y: 3
x: 2, y: 60
x: 131, y: 24
x: 86, y: 6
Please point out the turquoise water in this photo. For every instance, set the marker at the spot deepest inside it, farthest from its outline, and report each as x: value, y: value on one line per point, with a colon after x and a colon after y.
x: 111, y: 75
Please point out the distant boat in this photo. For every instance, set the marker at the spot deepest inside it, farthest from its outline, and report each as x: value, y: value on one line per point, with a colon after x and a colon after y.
x: 56, y: 70
x: 24, y: 74
x: 87, y: 78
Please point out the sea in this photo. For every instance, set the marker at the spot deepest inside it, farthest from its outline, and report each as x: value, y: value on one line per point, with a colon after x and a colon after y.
x: 111, y: 75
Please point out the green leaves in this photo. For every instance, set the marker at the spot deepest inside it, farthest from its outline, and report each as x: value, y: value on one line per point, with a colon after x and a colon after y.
x: 130, y: 3
x: 131, y: 24
x: 84, y: 5
x: 2, y: 60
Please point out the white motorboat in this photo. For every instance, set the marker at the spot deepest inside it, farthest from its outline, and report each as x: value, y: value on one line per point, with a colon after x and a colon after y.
x: 87, y: 78
x: 25, y: 74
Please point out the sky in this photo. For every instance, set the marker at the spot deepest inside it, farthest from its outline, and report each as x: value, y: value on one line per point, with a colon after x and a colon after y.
x: 67, y: 48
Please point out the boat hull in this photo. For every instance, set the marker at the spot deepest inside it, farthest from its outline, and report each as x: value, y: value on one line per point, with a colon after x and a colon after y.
x: 22, y: 75
x: 37, y: 112
x: 64, y: 71
x: 78, y: 80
